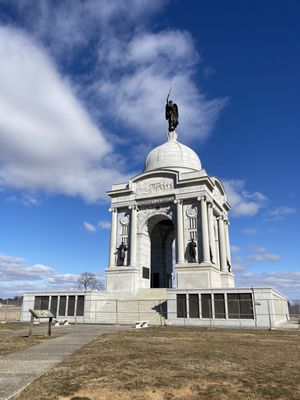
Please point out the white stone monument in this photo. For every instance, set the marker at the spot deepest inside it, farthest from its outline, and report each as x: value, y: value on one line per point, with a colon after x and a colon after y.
x: 173, y: 203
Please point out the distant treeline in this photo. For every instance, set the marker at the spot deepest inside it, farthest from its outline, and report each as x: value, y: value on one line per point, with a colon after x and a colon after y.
x: 17, y: 300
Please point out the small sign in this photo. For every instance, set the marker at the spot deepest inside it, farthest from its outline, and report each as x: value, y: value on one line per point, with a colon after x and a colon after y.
x: 42, y: 313
x: 146, y: 273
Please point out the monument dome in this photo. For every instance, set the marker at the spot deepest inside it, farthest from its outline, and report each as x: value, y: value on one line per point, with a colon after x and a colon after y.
x: 173, y: 155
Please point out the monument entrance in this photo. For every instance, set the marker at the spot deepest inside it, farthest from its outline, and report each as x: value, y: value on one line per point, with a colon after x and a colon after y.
x: 162, y: 235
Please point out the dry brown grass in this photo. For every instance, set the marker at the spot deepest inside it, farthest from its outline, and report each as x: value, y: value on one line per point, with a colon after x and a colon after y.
x: 177, y: 363
x: 10, y: 344
x: 13, y: 325
x: 14, y: 337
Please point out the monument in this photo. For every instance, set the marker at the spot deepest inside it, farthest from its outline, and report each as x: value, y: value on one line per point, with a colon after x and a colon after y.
x: 169, y: 254
x: 172, y: 205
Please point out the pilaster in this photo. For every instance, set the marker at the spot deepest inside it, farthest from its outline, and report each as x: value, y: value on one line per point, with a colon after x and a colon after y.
x: 180, y: 241
x: 227, y: 243
x: 133, y: 235
x: 222, y: 244
x: 113, y: 237
x: 204, y: 226
x: 211, y: 233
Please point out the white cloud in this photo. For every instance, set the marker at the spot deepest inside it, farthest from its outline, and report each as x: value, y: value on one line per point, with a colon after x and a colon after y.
x: 134, y: 68
x: 17, y: 277
x: 243, y: 202
x: 250, y: 231
x: 277, y: 213
x: 260, y: 254
x: 238, y: 264
x: 89, y: 227
x: 104, y: 224
x: 47, y: 140
x: 235, y: 249
x: 136, y: 94
x: 288, y: 283
x: 25, y: 199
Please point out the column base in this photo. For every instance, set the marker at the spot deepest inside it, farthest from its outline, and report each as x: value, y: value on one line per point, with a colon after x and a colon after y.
x: 227, y: 279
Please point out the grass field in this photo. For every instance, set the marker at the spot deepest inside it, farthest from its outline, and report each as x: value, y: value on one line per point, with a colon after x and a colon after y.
x: 13, y: 325
x: 11, y: 341
x: 177, y: 363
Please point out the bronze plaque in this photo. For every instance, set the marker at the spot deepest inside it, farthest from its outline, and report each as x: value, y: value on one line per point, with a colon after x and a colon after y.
x: 146, y: 273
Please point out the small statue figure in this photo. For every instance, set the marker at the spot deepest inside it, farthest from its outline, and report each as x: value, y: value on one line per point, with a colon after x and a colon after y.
x: 228, y: 266
x: 192, y: 250
x: 171, y: 113
x: 121, y: 251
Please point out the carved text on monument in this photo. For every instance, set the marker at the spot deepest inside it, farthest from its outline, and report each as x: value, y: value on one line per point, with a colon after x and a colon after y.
x: 154, y: 185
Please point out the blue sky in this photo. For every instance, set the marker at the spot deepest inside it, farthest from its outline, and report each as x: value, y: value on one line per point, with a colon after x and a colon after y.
x: 82, y: 91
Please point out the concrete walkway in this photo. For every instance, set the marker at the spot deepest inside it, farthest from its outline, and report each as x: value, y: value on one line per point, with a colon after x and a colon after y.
x: 17, y: 370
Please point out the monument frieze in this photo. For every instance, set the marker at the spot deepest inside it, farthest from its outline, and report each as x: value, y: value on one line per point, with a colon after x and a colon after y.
x: 157, y: 200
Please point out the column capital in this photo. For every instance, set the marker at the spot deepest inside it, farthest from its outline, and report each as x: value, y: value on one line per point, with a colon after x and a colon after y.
x: 113, y: 209
x: 133, y: 207
x: 210, y: 204
x: 178, y: 201
x: 202, y: 198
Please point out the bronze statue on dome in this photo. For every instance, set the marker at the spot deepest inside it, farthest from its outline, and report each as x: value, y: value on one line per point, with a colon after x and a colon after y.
x: 171, y: 113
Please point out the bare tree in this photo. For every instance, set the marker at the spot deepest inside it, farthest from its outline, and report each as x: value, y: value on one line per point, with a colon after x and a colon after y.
x: 89, y: 281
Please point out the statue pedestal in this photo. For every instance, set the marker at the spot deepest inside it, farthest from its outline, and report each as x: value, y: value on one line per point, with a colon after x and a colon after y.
x: 199, y: 276
x: 122, y: 280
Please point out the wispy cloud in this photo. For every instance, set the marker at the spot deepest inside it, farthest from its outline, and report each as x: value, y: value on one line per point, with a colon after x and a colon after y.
x: 25, y: 199
x: 243, y: 202
x: 249, y: 231
x: 288, y: 283
x: 48, y: 141
x: 258, y: 254
x: 278, y: 213
x: 261, y: 254
x: 56, y: 139
x: 104, y: 224
x: 17, y: 277
x: 235, y: 249
x: 89, y: 227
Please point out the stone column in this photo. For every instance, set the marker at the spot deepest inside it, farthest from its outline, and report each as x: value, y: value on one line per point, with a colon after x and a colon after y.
x: 227, y: 242
x: 180, y: 241
x: 133, y: 235
x: 204, y: 227
x: 113, y: 237
x: 211, y: 232
x: 222, y: 244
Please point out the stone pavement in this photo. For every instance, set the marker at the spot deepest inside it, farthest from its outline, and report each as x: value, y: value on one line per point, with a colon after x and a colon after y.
x: 17, y: 370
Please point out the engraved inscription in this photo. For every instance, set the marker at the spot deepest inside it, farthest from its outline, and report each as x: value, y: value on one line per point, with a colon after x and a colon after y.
x: 154, y: 185
x: 191, y: 189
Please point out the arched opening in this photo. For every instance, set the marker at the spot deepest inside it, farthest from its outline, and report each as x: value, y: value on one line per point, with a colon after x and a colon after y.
x: 162, y: 235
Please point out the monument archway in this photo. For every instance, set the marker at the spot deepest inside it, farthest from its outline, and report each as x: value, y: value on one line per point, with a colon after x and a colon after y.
x: 162, y: 234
